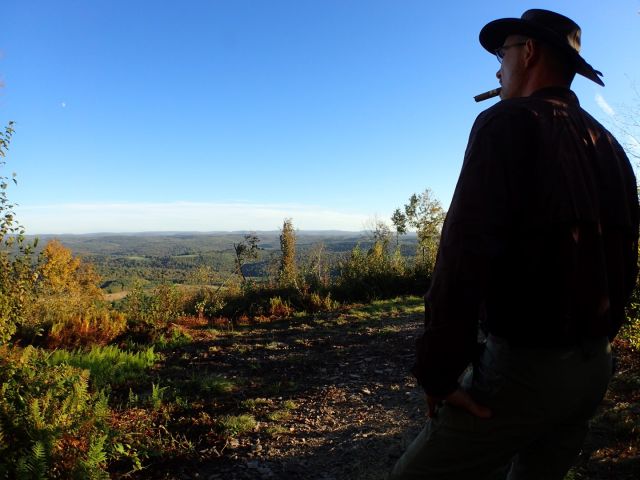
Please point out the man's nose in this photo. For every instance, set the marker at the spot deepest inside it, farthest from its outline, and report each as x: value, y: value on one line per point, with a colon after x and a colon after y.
x: 499, y: 74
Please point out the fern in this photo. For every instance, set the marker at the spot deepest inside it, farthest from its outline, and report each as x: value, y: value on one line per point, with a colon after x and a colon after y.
x: 107, y: 365
x: 91, y: 467
x: 33, y: 466
x: 157, y: 395
x: 47, y: 413
x: 37, y: 419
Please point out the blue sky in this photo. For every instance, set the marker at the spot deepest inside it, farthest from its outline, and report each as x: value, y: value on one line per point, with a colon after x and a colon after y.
x: 234, y: 114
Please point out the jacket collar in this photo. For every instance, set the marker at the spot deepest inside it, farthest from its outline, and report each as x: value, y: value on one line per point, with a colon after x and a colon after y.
x: 561, y: 93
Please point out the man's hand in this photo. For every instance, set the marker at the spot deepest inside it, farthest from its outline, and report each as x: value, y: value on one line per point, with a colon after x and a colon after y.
x: 461, y: 399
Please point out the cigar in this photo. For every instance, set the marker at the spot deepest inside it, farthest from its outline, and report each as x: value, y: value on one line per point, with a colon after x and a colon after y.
x: 487, y: 95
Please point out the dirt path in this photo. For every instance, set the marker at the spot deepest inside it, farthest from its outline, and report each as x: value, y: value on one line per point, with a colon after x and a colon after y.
x: 331, y: 395
x: 345, y: 377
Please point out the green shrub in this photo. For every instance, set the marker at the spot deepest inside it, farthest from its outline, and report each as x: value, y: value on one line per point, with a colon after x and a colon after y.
x: 51, y: 425
x: 155, y: 311
x: 206, y: 302
x: 376, y: 273
x: 279, y: 307
x: 319, y: 303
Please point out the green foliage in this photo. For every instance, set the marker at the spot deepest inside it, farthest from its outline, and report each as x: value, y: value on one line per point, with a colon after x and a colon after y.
x: 108, y: 365
x: 279, y: 307
x: 317, y: 303
x: 176, y: 339
x: 631, y: 332
x: 372, y: 274
x: 206, y: 302
x: 33, y: 465
x: 137, y: 306
x: 289, y: 405
x: 166, y: 306
x: 253, y: 404
x: 234, y: 425
x: 155, y: 311
x: 287, y: 274
x: 275, y: 431
x: 424, y: 214
x: 157, y: 395
x: 214, y: 384
x: 316, y: 270
x: 125, y: 450
x: 279, y: 415
x: 49, y: 419
x: 91, y: 467
x: 16, y: 273
x: 245, y: 250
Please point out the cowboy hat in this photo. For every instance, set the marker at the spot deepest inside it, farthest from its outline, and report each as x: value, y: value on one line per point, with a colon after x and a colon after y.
x: 552, y: 28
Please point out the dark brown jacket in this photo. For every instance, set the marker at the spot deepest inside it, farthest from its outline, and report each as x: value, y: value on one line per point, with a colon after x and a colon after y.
x: 540, y: 243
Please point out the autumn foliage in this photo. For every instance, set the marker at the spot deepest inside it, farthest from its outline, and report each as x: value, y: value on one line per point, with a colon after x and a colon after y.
x: 68, y: 307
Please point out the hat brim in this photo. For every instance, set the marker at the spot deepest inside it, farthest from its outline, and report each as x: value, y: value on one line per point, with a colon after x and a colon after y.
x: 493, y: 35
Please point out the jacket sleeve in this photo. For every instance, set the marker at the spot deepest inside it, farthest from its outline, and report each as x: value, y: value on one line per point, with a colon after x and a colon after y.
x: 475, y: 231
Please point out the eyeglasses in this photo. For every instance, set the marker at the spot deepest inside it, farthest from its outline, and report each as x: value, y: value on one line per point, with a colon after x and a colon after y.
x: 502, y: 50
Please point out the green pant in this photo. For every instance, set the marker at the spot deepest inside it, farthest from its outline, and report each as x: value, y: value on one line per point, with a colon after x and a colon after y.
x: 541, y: 399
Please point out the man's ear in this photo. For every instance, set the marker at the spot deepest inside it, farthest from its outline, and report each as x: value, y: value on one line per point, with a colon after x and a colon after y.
x: 532, y: 52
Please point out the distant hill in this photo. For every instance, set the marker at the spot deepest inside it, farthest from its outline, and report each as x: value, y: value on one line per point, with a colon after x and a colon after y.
x: 189, y: 243
x: 176, y: 257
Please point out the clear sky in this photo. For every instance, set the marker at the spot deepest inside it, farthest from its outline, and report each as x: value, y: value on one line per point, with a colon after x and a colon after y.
x: 210, y: 115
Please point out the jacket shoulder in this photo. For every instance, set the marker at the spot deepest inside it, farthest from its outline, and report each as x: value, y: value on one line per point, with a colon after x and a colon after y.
x: 510, y: 113
x: 514, y: 107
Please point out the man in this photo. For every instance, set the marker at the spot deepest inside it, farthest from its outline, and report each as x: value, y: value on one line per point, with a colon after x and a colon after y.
x: 539, y: 250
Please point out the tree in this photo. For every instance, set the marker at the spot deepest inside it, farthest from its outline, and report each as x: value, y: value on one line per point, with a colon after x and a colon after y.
x: 399, y: 221
x: 315, y: 270
x: 246, y: 250
x: 424, y: 214
x: 67, y: 307
x: 379, y: 231
x: 288, y: 272
x: 16, y: 272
